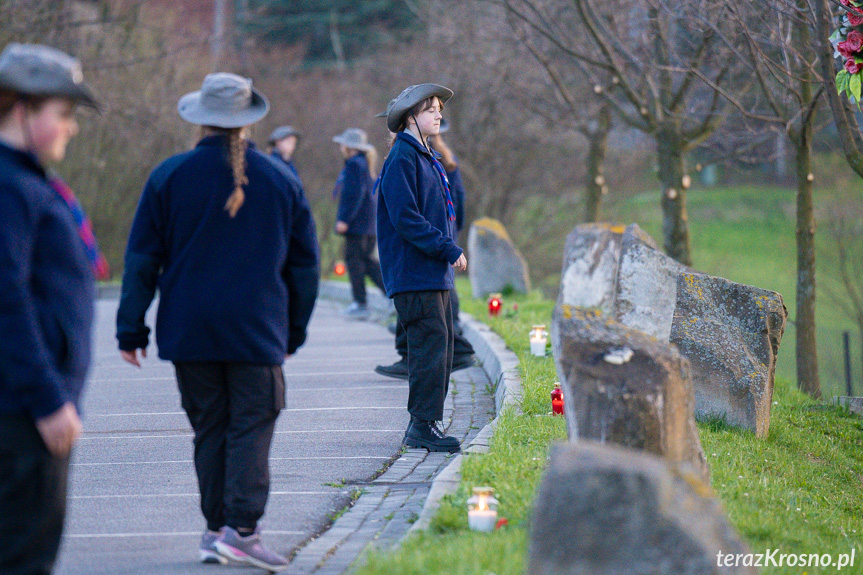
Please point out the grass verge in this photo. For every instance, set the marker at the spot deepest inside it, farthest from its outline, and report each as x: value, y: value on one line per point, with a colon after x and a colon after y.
x: 800, y: 490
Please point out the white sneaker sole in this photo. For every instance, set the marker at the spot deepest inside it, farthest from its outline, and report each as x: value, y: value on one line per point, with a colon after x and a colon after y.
x: 237, y: 555
x: 207, y: 556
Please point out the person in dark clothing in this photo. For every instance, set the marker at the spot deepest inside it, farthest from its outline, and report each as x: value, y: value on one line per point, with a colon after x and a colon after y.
x: 416, y: 240
x: 283, y: 144
x: 463, y: 351
x: 355, y: 218
x: 48, y: 258
x: 229, y: 240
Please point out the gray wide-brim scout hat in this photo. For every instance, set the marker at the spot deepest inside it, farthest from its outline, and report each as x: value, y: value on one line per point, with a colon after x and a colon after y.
x: 410, y: 97
x: 225, y: 101
x: 37, y: 70
x: 389, y: 107
x: 354, y: 138
x: 283, y: 132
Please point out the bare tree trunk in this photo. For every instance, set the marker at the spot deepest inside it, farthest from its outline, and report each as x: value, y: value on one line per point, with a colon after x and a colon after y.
x: 807, y: 348
x: 675, y: 221
x: 595, y: 185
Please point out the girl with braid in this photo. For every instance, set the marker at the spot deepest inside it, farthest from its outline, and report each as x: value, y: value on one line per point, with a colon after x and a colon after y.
x: 225, y: 233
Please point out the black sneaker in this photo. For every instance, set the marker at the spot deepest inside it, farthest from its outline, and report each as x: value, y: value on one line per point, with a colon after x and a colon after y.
x: 428, y: 435
x: 462, y: 362
x: 398, y: 370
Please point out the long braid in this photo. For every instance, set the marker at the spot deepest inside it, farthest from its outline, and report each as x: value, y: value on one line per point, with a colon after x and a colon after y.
x: 237, y: 151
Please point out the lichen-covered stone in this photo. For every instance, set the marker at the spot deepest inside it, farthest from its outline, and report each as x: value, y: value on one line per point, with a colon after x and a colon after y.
x: 646, y: 285
x: 494, y: 263
x: 623, y: 386
x: 590, y: 259
x: 731, y: 333
x: 605, y: 510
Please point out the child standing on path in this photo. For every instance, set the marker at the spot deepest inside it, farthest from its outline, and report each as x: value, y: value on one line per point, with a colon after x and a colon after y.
x: 48, y: 257
x: 283, y: 145
x: 355, y: 218
x: 463, y: 351
x: 416, y: 234
x: 228, y: 238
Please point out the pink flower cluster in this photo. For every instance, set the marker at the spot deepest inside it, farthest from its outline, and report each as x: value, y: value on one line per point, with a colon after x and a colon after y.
x: 852, y: 45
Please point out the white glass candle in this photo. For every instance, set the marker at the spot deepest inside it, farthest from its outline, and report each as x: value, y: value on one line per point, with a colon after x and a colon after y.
x: 482, y: 519
x: 538, y: 340
x: 482, y: 510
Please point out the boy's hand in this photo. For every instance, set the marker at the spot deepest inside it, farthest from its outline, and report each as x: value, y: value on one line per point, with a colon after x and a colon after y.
x: 60, y: 429
x: 461, y: 263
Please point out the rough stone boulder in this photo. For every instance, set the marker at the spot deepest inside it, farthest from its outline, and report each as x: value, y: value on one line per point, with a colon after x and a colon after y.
x: 646, y: 285
x: 733, y: 349
x: 730, y: 332
x: 604, y: 510
x: 590, y: 264
x: 590, y: 259
x: 623, y: 386
x: 494, y: 263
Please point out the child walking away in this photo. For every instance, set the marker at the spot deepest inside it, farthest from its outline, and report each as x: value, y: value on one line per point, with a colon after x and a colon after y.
x: 416, y: 234
x: 355, y: 218
x: 48, y: 259
x: 226, y: 235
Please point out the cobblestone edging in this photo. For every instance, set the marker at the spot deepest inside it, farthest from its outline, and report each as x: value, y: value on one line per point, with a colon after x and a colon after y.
x: 406, y: 496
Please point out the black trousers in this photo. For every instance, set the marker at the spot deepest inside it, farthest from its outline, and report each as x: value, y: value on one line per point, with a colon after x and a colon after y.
x: 427, y: 320
x: 232, y: 408
x: 32, y: 499
x: 358, y: 258
x: 461, y: 346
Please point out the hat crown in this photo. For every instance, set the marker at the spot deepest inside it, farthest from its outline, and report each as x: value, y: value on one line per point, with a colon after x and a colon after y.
x: 226, y: 92
x: 353, y: 138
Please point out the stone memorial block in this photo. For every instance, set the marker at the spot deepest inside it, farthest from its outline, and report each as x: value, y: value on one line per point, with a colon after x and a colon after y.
x: 590, y: 259
x: 625, y: 387
x: 646, y: 285
x: 730, y: 332
x: 494, y: 263
x: 607, y: 510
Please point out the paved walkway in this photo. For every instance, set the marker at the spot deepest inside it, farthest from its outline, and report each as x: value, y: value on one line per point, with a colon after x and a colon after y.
x: 133, y: 505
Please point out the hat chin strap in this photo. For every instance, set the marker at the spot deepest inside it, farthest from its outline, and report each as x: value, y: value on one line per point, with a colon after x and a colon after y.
x: 422, y: 138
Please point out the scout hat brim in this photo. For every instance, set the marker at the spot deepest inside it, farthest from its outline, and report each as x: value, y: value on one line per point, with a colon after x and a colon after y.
x: 37, y: 70
x: 410, y: 97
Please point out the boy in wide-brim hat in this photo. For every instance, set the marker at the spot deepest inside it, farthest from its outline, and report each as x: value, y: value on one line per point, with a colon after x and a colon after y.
x: 48, y: 257
x: 416, y: 241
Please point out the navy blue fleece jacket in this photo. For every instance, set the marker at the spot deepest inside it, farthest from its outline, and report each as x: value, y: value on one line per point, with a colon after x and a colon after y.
x: 416, y: 238
x: 47, y: 293
x: 236, y: 289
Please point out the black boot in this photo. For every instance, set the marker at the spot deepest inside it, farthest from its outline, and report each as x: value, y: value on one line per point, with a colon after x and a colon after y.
x: 427, y: 434
x: 398, y: 370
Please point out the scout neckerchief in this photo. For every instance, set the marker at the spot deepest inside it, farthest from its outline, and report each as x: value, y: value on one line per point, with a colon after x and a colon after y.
x: 445, y: 181
x: 85, y: 227
x: 440, y: 171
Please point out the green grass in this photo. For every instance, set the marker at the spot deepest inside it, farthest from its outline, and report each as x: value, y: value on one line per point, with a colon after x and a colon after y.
x: 812, y: 460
